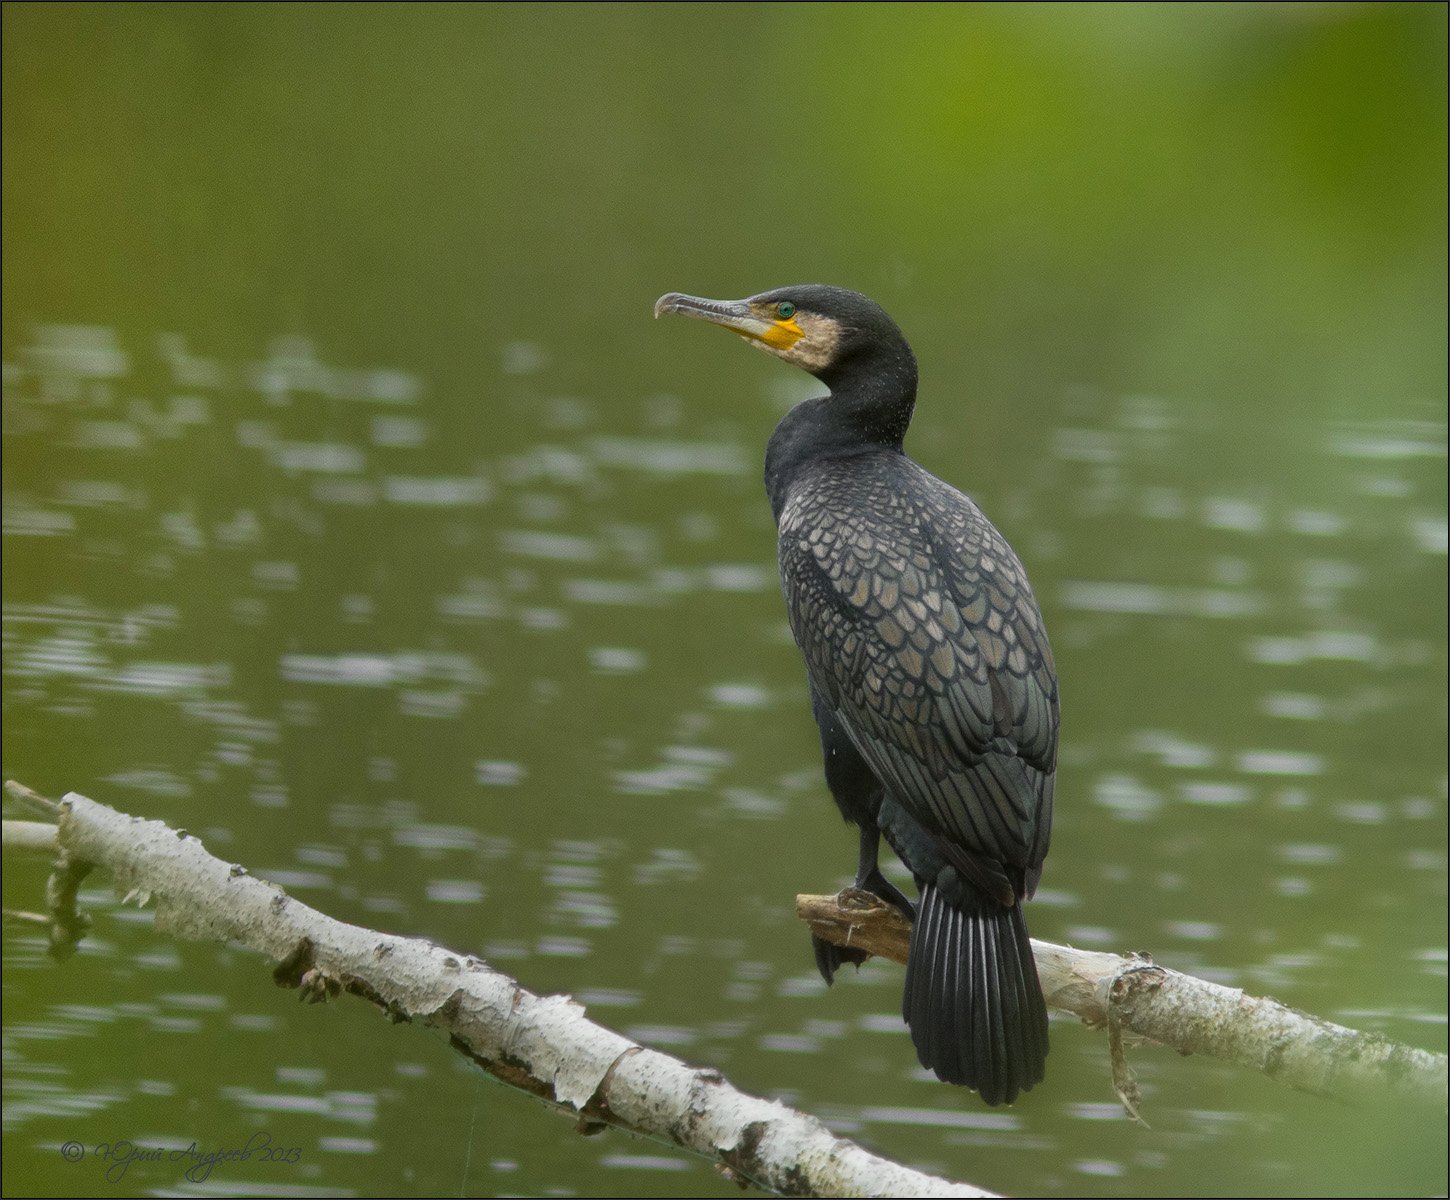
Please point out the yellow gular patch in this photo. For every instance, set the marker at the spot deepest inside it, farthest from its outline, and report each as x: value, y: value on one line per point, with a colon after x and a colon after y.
x: 782, y: 335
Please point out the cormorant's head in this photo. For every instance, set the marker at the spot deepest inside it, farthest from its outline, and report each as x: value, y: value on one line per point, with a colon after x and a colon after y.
x: 831, y: 332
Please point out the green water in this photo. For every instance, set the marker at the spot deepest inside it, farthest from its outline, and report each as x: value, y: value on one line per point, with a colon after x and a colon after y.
x: 358, y: 518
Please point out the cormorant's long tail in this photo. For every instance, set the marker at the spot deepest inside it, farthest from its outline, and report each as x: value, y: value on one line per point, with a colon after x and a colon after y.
x: 972, y: 998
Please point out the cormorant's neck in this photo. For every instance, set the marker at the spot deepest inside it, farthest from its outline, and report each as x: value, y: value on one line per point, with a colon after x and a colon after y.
x: 867, y: 410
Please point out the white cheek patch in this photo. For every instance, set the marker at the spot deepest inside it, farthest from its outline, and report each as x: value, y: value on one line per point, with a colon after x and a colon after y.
x: 818, y: 347
x: 815, y: 351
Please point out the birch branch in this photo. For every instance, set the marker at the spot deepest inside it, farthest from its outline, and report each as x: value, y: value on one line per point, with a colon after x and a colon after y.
x: 29, y: 835
x: 1187, y: 1014
x: 543, y: 1045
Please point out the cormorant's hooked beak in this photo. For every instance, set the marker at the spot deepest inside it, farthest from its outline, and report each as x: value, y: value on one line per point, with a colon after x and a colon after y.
x: 744, y: 317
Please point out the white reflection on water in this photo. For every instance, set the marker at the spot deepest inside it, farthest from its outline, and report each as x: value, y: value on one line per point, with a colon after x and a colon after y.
x: 1389, y: 440
x: 1102, y: 1167
x: 1173, y: 750
x: 1326, y: 645
x: 1280, y: 762
x: 296, y: 880
x: 667, y: 866
x: 498, y: 773
x: 1310, y: 854
x: 1233, y: 513
x: 538, y: 617
x: 105, y: 434
x: 98, y: 493
x: 609, y: 997
x: 478, y: 601
x: 1316, y: 523
x: 585, y: 910
x: 61, y: 654
x: 1193, y: 931
x: 545, y: 544
x: 569, y: 875
x: 751, y: 803
x: 156, y: 781
x: 549, y: 464
x: 621, y: 660
x: 881, y: 1114
x: 1099, y: 446
x: 293, y: 370
x: 435, y: 705
x: 187, y: 369
x: 1127, y: 797
x: 383, y: 670
x: 333, y: 458
x: 24, y: 518
x: 422, y: 835
x: 72, y: 354
x: 1112, y: 596
x: 656, y: 456
x: 398, y: 431
x: 740, y: 695
x: 626, y: 593
x: 115, y: 435
x: 741, y: 577
x: 647, y: 1162
x: 348, y: 1145
x: 662, y: 1035
x: 181, y: 528
x: 437, y: 491
x: 354, y: 1108
x: 1362, y: 812
x: 523, y: 358
x: 155, y: 679
x: 790, y: 1043
x: 683, y: 768
x: 277, y: 576
x: 1215, y: 793
x: 562, y: 947
x: 1295, y: 706
x: 455, y: 891
x: 1431, y: 534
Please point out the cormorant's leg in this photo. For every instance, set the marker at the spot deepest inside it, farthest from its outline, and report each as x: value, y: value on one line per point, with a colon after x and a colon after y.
x: 869, y: 877
x: 857, y: 793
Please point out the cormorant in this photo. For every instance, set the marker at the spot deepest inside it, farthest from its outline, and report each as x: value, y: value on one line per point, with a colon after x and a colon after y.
x: 930, y: 677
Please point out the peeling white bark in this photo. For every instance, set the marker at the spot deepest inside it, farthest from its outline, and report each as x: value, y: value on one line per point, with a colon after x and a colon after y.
x: 29, y: 835
x: 548, y: 1047
x: 545, y: 1045
x: 1190, y: 1015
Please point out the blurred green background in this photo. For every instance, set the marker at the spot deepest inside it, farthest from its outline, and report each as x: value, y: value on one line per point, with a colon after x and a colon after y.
x: 358, y: 518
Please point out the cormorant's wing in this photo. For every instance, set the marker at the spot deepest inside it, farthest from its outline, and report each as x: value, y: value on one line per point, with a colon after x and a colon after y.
x: 919, y: 628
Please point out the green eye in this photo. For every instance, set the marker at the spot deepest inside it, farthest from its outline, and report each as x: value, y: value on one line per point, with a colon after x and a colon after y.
x: 786, y: 310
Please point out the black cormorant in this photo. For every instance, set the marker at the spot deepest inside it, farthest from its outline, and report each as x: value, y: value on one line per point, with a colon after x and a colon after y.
x: 930, y: 678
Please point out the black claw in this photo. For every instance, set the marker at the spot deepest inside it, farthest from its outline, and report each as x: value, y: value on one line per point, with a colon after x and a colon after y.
x: 883, y: 889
